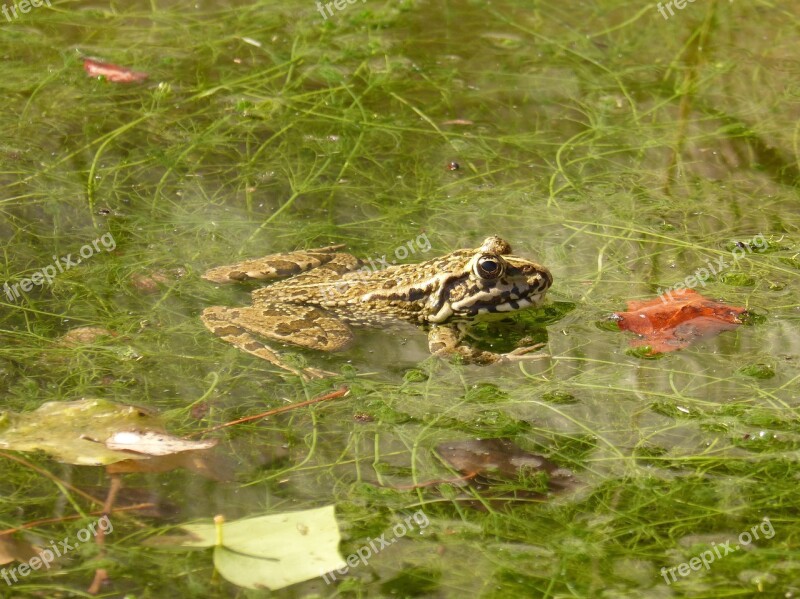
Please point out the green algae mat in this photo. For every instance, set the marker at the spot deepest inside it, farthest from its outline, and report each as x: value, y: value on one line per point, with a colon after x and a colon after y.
x: 646, y: 154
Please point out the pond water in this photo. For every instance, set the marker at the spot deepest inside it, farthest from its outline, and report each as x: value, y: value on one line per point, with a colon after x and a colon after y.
x: 629, y: 147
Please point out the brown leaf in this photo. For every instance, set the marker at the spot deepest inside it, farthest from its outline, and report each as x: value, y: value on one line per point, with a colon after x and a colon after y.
x: 112, y: 72
x: 497, y: 458
x: 202, y: 461
x: 200, y: 410
x: 13, y: 549
x: 491, y: 460
x: 84, y: 336
x: 676, y: 319
x: 149, y: 283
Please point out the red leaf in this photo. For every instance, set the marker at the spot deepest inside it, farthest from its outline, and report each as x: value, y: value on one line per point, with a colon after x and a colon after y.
x: 112, y: 72
x: 675, y: 320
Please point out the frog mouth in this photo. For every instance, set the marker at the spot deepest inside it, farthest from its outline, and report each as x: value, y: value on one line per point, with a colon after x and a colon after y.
x: 511, y: 304
x: 508, y: 306
x: 496, y: 301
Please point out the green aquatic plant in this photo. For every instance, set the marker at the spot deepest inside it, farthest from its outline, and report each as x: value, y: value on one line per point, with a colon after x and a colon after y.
x: 623, y: 151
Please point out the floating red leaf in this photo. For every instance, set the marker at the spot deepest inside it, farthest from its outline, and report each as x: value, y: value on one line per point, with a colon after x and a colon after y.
x: 112, y: 72
x: 676, y: 319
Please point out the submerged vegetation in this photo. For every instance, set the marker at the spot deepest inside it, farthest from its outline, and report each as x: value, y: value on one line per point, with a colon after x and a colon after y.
x: 625, y: 151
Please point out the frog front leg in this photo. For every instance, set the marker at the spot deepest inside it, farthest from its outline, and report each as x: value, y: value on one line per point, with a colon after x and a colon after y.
x: 447, y: 341
x: 304, y: 326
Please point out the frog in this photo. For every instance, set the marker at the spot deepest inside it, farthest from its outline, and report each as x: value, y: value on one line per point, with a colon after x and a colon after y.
x: 325, y: 292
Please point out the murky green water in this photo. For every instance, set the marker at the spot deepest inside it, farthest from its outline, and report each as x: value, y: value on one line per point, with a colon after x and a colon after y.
x: 622, y: 149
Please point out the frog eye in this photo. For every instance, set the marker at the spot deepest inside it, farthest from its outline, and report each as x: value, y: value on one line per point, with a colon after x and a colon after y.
x: 489, y: 267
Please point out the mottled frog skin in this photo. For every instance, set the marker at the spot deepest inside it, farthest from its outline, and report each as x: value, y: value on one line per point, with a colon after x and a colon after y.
x: 326, y: 292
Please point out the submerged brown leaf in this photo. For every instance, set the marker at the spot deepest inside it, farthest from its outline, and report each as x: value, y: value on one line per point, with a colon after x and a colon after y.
x: 150, y: 282
x: 494, y: 458
x: 13, y: 549
x: 84, y: 336
x: 202, y: 461
x: 489, y: 462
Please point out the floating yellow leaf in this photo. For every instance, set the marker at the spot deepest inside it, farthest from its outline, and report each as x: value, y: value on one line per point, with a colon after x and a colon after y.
x: 268, y: 552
